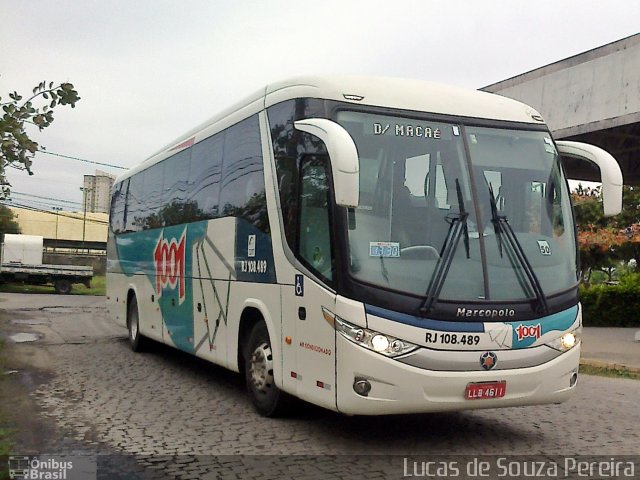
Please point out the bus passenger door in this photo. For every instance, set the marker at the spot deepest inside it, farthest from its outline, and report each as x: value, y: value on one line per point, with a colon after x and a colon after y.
x: 314, y: 340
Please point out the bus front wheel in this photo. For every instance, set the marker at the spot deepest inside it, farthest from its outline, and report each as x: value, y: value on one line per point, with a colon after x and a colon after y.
x: 136, y: 340
x: 266, y: 397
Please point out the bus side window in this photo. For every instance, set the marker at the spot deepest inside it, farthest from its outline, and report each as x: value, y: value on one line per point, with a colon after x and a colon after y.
x: 314, y: 241
x: 287, y: 171
x: 118, y: 200
x: 134, y: 217
x: 242, y: 192
x: 205, y: 167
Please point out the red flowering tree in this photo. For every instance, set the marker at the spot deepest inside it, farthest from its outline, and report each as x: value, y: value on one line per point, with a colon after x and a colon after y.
x: 606, y: 241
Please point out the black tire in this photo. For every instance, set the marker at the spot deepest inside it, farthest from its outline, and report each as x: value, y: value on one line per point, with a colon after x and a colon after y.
x: 62, y: 286
x: 266, y: 397
x: 136, y: 340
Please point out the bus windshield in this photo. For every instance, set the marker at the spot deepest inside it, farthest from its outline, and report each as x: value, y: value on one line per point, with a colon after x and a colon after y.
x: 432, y: 191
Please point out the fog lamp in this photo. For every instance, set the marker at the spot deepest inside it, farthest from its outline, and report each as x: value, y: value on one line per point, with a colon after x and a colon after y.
x: 361, y: 386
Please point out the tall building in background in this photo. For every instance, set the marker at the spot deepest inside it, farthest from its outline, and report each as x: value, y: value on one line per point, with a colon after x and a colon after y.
x: 97, y: 191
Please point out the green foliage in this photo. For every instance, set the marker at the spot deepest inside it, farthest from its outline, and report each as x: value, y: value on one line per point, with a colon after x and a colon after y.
x: 17, y: 149
x: 612, y: 305
x: 98, y: 287
x: 7, y: 222
x: 630, y: 214
x: 604, y: 242
x: 589, y: 211
x: 629, y: 278
x: 608, y: 372
x: 587, y: 207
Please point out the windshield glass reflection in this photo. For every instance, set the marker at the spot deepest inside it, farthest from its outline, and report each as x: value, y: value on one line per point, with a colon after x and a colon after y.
x: 415, y: 181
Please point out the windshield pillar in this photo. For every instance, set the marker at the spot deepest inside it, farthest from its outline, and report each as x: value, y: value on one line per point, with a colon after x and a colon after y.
x: 481, y: 222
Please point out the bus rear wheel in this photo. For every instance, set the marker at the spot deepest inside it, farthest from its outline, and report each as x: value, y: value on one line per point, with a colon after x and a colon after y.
x: 136, y: 340
x: 266, y: 397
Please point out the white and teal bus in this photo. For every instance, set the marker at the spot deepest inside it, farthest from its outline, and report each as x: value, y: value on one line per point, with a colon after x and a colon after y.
x: 372, y: 246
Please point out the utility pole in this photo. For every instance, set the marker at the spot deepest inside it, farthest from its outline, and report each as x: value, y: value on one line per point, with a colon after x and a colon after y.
x: 57, y: 210
x: 85, y: 191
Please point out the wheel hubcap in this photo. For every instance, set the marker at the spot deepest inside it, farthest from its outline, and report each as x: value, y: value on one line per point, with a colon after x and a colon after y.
x: 134, y: 325
x: 261, y: 368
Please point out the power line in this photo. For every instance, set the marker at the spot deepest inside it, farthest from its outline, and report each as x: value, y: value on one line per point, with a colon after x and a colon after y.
x: 36, y: 209
x: 45, y: 198
x: 40, y: 210
x: 35, y: 203
x: 83, y: 160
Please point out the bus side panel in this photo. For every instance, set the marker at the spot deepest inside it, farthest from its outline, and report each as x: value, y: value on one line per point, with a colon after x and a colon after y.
x: 117, y: 298
x: 133, y: 274
x: 284, y: 269
x: 116, y: 293
x: 313, y: 342
x: 149, y: 313
x: 213, y: 274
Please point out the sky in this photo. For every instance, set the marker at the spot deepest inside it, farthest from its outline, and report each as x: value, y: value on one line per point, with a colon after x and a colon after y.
x: 147, y: 71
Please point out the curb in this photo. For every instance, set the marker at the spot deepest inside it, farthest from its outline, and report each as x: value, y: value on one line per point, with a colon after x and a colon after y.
x: 611, y: 366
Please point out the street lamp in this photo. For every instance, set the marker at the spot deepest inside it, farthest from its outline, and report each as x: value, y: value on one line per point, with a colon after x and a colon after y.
x: 57, y: 210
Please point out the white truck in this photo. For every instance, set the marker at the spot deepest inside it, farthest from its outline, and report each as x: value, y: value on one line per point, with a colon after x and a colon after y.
x: 21, y: 261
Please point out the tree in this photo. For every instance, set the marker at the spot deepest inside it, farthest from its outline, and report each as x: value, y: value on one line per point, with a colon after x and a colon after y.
x: 17, y: 149
x: 605, y: 241
x: 7, y: 222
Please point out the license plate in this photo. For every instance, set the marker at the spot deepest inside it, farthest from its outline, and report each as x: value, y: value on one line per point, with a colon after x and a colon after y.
x: 484, y: 390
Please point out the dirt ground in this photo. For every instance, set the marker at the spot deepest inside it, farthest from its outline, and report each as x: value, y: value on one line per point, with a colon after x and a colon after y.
x: 28, y: 367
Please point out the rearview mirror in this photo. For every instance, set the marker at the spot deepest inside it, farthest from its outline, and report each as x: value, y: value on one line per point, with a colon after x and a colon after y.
x: 342, y: 154
x: 610, y: 172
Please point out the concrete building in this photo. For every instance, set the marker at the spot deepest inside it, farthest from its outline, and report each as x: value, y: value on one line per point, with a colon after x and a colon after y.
x: 64, y: 229
x: 97, y: 191
x: 593, y: 97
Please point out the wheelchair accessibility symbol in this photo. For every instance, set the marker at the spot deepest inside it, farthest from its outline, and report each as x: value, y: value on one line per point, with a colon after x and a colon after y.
x: 299, y: 285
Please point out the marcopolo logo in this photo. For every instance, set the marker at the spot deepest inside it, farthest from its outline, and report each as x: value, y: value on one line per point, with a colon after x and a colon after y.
x: 169, y: 259
x: 485, y: 312
x: 528, y: 331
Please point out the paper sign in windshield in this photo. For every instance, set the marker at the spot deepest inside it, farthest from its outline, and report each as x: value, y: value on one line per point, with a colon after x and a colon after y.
x: 384, y: 249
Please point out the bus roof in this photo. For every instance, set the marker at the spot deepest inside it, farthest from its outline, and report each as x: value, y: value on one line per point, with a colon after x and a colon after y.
x: 402, y: 94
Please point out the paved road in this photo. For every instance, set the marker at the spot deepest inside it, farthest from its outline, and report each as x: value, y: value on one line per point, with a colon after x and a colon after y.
x: 163, y: 404
x: 612, y: 346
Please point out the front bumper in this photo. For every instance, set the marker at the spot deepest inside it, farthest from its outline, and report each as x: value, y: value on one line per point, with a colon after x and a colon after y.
x: 399, y: 388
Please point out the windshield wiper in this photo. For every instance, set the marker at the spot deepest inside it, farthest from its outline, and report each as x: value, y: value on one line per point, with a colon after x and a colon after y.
x: 495, y: 219
x: 502, y: 226
x: 457, y: 227
x: 385, y: 272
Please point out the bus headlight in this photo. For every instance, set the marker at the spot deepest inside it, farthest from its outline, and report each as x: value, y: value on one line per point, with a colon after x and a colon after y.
x: 565, y: 342
x: 369, y: 339
x: 380, y: 343
x: 568, y: 340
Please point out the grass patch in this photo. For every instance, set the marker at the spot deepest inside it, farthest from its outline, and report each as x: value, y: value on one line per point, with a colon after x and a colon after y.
x: 609, y: 372
x: 98, y: 287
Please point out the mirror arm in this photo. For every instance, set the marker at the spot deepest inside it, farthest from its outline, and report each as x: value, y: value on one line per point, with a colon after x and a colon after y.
x: 610, y: 172
x: 343, y: 155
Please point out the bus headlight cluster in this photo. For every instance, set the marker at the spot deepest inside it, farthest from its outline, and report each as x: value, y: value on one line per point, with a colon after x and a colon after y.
x: 566, y: 341
x: 378, y: 342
